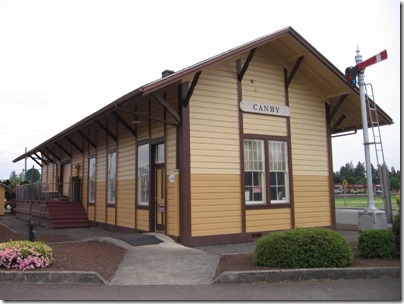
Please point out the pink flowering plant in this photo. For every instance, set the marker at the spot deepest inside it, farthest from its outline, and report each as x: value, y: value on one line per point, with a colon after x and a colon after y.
x: 23, y: 255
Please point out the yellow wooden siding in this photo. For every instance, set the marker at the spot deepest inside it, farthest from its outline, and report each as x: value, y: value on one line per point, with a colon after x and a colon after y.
x: 157, y: 110
x: 216, y: 207
x: 308, y: 131
x: 264, y: 80
x: 214, y: 125
x: 312, y: 201
x: 142, y: 220
x: 143, y: 128
x: 268, y: 219
x: 264, y: 124
x: 172, y: 208
x: 125, y: 186
x: 101, y: 171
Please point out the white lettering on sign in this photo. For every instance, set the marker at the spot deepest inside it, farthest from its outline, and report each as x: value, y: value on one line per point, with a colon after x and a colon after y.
x: 263, y: 108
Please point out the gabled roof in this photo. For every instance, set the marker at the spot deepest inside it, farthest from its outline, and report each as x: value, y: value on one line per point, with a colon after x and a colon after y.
x: 286, y: 46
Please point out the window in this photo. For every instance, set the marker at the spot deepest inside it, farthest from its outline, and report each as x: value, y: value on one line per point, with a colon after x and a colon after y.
x: 91, y: 180
x: 254, y: 175
x: 159, y: 154
x: 111, y: 175
x: 266, y: 183
x: 278, y: 169
x: 143, y: 175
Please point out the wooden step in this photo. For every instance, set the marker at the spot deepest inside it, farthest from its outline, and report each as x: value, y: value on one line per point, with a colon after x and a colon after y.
x: 67, y: 215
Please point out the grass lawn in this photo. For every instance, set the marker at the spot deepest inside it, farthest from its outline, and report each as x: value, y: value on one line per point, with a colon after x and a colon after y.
x: 361, y: 201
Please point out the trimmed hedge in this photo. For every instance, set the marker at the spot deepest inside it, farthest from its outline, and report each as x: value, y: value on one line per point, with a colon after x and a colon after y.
x: 303, y: 248
x: 377, y: 243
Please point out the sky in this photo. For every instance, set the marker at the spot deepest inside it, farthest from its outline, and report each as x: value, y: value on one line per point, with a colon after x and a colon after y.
x: 62, y: 60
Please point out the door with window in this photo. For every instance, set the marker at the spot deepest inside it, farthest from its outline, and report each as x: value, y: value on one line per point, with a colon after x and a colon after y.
x: 65, y: 180
x: 159, y: 188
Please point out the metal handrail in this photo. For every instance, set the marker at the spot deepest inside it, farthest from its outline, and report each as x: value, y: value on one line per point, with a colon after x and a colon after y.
x: 49, y: 192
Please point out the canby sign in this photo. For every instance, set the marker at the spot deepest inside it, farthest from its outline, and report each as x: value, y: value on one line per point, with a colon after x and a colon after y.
x: 263, y: 108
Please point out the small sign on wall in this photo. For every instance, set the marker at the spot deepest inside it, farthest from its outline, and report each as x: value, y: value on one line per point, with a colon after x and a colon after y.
x: 263, y: 108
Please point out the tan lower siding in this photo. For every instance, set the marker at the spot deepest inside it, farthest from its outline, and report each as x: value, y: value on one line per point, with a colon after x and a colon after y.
x: 216, y: 204
x: 90, y: 212
x: 143, y: 220
x: 111, y: 216
x: 268, y: 220
x: 126, y: 203
x: 100, y: 202
x: 173, y: 220
x: 312, y: 201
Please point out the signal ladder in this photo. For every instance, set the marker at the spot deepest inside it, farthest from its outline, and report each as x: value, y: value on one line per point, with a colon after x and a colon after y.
x: 377, y: 142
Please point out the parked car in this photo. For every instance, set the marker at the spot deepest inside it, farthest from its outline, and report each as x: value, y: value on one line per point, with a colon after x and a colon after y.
x: 337, y: 191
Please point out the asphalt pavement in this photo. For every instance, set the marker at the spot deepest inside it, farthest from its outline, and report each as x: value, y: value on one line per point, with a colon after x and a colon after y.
x: 170, y: 263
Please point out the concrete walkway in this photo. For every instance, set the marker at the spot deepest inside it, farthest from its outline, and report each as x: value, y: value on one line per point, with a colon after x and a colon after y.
x: 167, y: 263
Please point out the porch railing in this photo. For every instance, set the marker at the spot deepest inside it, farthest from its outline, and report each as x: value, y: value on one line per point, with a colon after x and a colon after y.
x: 49, y: 192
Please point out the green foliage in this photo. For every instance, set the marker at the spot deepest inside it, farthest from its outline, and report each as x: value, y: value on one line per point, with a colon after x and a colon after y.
x: 356, y: 175
x: 303, y: 248
x: 397, y: 233
x: 398, y: 199
x: 377, y: 243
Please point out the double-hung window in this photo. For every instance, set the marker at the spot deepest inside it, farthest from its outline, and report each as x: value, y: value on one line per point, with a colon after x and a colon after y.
x: 254, y: 172
x: 143, y: 175
x: 111, y: 178
x: 266, y: 178
x: 91, y: 180
x: 278, y: 172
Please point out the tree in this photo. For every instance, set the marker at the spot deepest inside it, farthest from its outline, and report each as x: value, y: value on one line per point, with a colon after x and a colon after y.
x: 359, y: 173
x: 13, y: 175
x: 394, y: 184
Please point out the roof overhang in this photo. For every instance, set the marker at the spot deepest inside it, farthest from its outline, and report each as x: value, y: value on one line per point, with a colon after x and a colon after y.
x: 285, y: 46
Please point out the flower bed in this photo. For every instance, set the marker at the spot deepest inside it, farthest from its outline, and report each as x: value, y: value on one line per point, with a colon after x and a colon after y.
x: 23, y: 255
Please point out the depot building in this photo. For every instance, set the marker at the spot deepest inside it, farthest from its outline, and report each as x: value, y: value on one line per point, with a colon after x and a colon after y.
x: 226, y: 150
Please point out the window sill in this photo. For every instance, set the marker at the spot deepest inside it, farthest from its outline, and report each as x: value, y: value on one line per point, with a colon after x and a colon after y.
x: 267, y: 206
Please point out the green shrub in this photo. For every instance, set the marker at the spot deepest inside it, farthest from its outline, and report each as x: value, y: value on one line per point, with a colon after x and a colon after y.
x: 397, y: 232
x: 303, y: 248
x: 377, y: 243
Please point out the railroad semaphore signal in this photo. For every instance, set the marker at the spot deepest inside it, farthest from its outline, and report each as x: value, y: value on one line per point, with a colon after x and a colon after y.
x: 371, y: 216
x: 351, y: 72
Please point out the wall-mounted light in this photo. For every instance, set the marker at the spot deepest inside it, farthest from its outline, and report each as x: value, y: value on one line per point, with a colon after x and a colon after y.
x: 136, y: 121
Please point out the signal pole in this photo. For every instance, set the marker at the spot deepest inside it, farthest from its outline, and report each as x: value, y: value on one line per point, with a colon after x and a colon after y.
x: 361, y: 83
x: 371, y: 217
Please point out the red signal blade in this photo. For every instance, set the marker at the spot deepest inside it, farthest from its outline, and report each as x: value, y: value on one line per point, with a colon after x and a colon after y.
x: 372, y: 60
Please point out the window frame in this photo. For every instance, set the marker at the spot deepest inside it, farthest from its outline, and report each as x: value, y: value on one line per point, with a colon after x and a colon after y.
x: 89, y: 179
x: 267, y: 203
x: 109, y: 201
